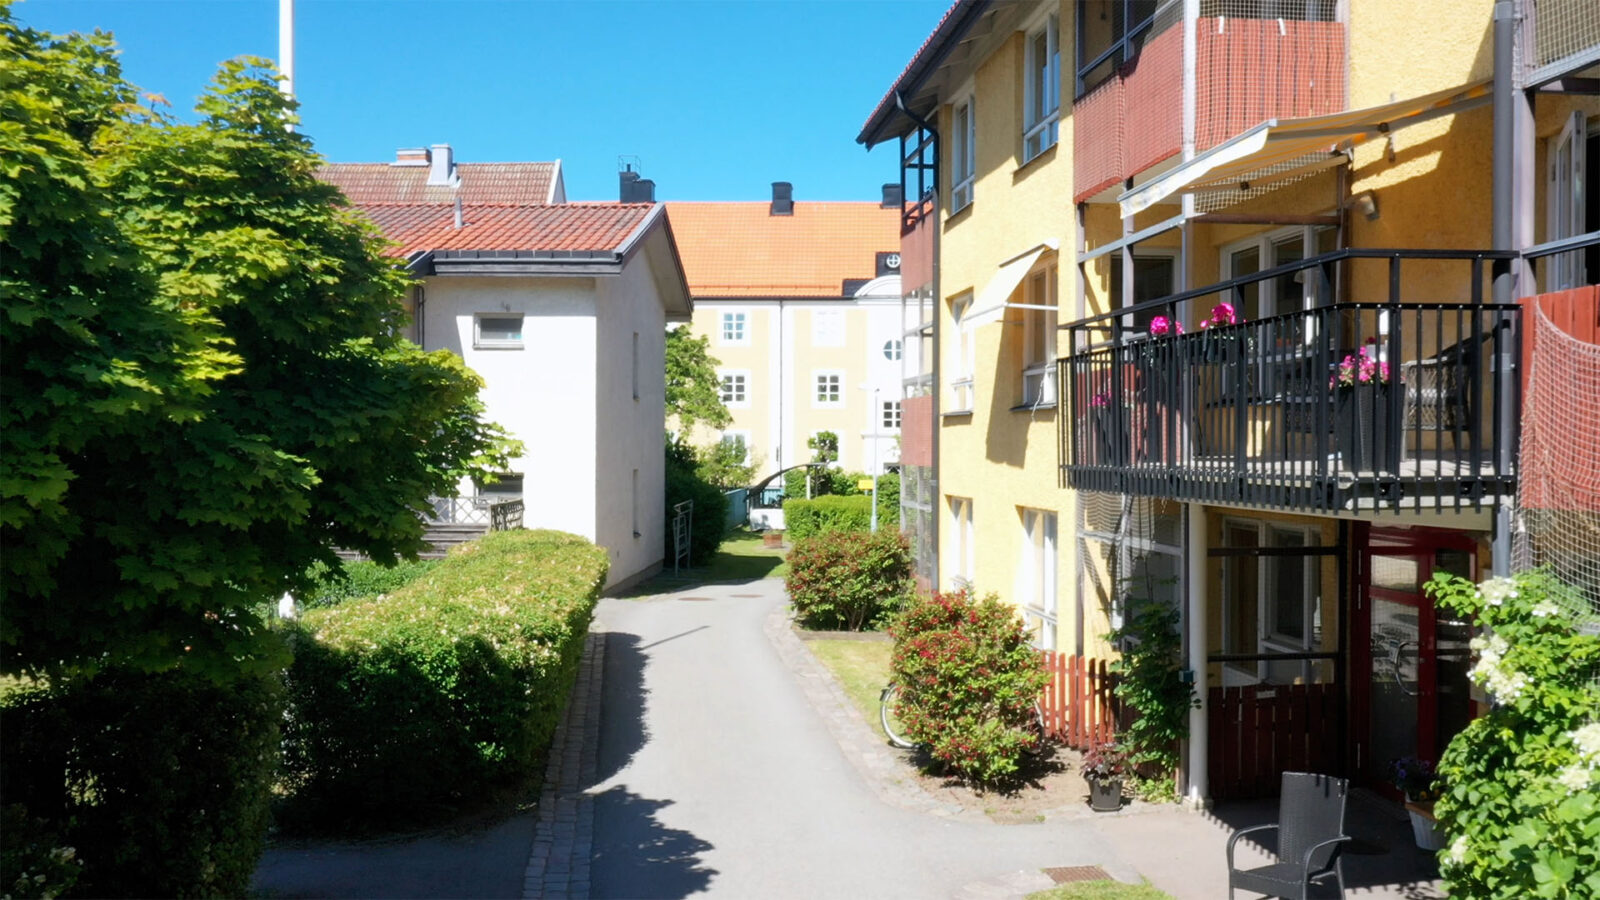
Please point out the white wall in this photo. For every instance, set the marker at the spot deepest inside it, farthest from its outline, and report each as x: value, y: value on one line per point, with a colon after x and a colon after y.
x: 883, y: 374
x: 543, y: 393
x: 629, y: 430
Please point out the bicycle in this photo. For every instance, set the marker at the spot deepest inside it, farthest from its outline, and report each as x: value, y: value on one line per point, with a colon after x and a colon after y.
x: 892, y: 730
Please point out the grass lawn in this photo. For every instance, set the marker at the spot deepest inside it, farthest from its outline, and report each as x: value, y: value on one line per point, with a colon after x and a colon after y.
x: 742, y: 558
x: 862, y: 668
x: 1100, y: 890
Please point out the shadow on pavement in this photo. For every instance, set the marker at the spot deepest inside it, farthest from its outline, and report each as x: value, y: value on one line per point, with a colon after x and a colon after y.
x: 1383, y: 854
x: 634, y: 854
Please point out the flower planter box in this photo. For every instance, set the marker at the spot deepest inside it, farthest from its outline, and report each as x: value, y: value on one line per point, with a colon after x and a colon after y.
x: 1367, y: 427
x: 772, y: 539
x: 1425, y: 828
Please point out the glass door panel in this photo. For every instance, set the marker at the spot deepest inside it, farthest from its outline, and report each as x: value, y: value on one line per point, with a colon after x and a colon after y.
x: 1395, y: 684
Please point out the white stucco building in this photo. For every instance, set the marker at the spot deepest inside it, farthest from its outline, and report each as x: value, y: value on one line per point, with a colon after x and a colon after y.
x: 562, y: 309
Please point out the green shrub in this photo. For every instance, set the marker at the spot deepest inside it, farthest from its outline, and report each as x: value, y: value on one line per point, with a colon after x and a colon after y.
x: 806, y: 518
x: 361, y: 580
x: 445, y: 690
x: 684, y: 482
x: 848, y: 580
x: 968, y: 681
x: 1150, y: 685
x: 34, y: 861
x: 889, y: 501
x: 1521, y: 800
x: 161, y: 784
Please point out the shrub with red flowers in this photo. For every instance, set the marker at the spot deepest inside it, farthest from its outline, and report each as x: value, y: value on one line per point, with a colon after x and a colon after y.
x: 968, y: 680
x: 848, y: 580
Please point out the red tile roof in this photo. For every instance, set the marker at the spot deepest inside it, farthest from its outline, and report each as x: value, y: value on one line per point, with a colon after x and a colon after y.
x: 518, y: 182
x: 594, y: 227
x: 740, y: 250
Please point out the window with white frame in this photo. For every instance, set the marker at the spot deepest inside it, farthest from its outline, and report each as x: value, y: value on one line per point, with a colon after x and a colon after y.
x: 891, y: 415
x: 1270, y: 600
x: 961, y: 381
x: 1280, y: 296
x: 962, y: 555
x: 1042, y: 90
x: 1036, y: 575
x: 735, y: 389
x: 506, y: 486
x: 739, y: 439
x: 829, y: 389
x: 1572, y: 157
x: 891, y: 350
x: 1154, y: 276
x: 497, y: 331
x: 963, y: 154
x: 827, y: 328
x: 1039, y: 338
x: 733, y: 328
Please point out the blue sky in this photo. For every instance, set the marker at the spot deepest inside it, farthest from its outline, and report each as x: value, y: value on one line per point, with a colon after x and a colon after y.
x: 716, y: 99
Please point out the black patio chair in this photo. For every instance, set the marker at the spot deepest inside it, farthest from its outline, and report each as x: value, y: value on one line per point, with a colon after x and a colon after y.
x: 1310, y: 836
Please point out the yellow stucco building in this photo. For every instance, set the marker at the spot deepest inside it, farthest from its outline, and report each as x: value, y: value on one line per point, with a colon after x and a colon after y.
x: 1222, y: 306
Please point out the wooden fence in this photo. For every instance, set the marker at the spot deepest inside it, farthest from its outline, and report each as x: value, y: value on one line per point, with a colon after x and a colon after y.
x: 1080, y: 709
x: 1258, y: 732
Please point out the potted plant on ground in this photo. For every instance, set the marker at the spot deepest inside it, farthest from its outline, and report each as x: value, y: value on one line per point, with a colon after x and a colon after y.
x: 1103, y: 767
x: 1417, y: 779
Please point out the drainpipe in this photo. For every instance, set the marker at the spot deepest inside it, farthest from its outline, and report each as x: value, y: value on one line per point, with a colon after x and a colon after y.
x: 1512, y: 217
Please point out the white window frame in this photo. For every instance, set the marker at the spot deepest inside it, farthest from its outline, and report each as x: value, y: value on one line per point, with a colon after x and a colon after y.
x: 963, y: 386
x: 1266, y: 639
x: 1039, y: 328
x: 893, y: 349
x: 963, y: 152
x: 479, y: 342
x: 1037, y: 575
x: 1564, y: 200
x: 963, y: 554
x: 889, y: 415
x: 828, y: 328
x: 738, y: 318
x: 818, y: 381
x: 1041, y: 89
x: 1265, y: 244
x: 738, y: 434
x: 742, y: 379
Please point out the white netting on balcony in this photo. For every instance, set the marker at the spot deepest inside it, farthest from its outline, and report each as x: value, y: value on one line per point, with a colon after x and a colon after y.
x: 1558, y: 476
x: 1260, y: 181
x: 1265, y: 59
x: 1563, y: 29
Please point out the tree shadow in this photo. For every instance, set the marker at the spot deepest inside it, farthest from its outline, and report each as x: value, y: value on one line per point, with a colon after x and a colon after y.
x: 635, y: 855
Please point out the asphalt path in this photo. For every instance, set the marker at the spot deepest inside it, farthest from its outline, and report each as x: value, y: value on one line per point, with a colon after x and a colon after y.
x: 717, y: 776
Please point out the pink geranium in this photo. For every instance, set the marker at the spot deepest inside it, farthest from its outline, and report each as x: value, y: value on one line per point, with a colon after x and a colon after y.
x: 1361, y: 367
x: 1221, y: 314
x: 1161, y: 325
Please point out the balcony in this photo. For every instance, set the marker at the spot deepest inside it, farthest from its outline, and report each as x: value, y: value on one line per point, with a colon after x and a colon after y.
x: 1247, y: 69
x: 1342, y: 407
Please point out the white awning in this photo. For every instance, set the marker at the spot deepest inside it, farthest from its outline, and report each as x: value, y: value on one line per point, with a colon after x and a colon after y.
x: 1278, y: 141
x: 991, y: 301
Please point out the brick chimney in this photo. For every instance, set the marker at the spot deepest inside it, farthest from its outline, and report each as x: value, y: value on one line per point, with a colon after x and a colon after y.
x: 410, y: 156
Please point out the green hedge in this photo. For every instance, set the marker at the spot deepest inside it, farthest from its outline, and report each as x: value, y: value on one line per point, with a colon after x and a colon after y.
x: 160, y: 784
x: 361, y: 580
x: 440, y: 693
x: 709, y: 523
x: 806, y: 518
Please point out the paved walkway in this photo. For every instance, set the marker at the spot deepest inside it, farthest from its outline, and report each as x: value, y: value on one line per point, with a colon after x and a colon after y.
x: 707, y: 752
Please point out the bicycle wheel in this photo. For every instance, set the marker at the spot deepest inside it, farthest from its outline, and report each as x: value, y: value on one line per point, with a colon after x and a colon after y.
x: 1037, y: 743
x: 890, y: 721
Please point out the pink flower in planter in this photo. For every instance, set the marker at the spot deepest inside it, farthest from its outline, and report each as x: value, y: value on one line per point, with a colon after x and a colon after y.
x: 1162, y: 325
x: 1100, y: 399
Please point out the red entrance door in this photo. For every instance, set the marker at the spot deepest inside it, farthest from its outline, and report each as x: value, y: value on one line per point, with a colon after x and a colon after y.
x: 1409, y: 660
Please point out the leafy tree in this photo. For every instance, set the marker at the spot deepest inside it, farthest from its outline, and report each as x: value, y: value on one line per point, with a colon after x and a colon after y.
x: 694, y: 392
x: 204, y: 388
x: 723, y: 463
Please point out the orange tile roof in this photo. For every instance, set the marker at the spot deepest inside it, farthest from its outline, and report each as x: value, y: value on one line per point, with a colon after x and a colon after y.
x: 739, y: 250
x: 517, y: 182
x: 572, y: 227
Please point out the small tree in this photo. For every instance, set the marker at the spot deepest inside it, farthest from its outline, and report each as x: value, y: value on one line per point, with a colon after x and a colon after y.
x: 723, y: 463
x: 694, y: 392
x: 824, y: 451
x: 1150, y: 683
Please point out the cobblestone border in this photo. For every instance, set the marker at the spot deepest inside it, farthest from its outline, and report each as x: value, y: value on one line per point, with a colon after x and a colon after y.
x: 563, y: 838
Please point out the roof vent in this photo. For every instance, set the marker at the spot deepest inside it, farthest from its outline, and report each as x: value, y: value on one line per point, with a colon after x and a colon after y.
x: 410, y: 156
x: 633, y: 189
x: 442, y: 167
x: 893, y: 196
x: 782, y: 198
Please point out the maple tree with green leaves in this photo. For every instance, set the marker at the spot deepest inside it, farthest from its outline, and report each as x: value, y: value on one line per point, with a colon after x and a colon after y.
x: 203, y: 387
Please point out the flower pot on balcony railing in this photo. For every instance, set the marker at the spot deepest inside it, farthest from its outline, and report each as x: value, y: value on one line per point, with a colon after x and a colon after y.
x: 1364, y: 413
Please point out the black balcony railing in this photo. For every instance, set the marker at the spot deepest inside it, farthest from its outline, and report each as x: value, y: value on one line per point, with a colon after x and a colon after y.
x: 1344, y: 406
